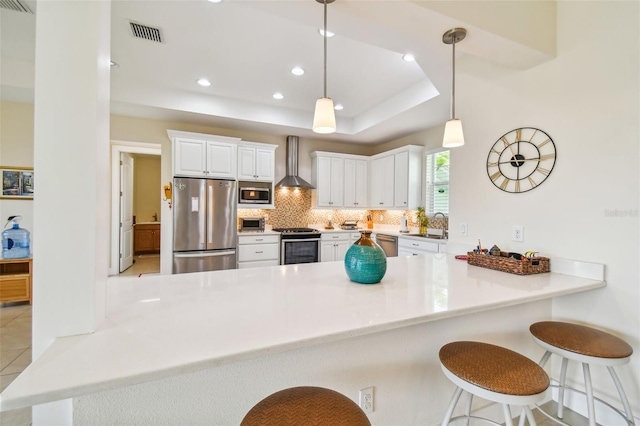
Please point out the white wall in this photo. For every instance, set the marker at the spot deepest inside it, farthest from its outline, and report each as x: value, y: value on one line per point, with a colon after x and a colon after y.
x: 587, y: 101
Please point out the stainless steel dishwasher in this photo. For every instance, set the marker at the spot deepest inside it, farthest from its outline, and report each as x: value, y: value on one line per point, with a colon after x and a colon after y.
x: 389, y: 244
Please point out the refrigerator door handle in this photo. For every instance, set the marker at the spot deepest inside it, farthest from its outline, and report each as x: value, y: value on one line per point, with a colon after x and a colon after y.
x: 205, y: 254
x: 210, y: 213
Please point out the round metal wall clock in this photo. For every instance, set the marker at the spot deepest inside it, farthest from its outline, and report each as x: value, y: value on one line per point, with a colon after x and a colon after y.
x: 521, y: 159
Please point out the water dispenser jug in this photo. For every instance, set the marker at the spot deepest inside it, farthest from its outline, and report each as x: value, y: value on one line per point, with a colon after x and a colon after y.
x: 15, y: 240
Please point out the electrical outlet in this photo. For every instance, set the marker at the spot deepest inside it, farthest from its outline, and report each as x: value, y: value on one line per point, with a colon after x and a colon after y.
x: 517, y: 233
x: 381, y: 218
x: 266, y: 217
x: 463, y: 229
x: 366, y: 399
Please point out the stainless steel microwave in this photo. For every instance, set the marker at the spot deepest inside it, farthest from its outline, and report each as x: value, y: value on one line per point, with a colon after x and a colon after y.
x: 251, y: 224
x: 254, y: 195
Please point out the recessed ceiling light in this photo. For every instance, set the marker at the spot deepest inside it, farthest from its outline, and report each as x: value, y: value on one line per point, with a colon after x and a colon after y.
x: 215, y: 1
x: 329, y: 33
x: 409, y: 57
x: 204, y: 82
x: 113, y: 64
x: 338, y: 107
x: 297, y: 70
x: 278, y: 96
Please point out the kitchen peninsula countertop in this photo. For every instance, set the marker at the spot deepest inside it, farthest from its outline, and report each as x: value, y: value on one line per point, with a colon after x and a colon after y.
x: 168, y: 325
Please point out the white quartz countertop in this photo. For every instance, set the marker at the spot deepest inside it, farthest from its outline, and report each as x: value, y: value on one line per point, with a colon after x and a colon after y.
x: 166, y: 325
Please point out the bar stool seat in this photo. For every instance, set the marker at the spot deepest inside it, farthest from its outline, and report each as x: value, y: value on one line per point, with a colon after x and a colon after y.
x: 493, y: 373
x: 306, y: 405
x: 586, y: 345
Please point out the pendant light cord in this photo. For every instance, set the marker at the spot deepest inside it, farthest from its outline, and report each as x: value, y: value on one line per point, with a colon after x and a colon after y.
x: 453, y: 81
x: 325, y: 48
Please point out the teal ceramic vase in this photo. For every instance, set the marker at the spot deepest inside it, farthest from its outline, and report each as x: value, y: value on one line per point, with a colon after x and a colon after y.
x: 365, y: 261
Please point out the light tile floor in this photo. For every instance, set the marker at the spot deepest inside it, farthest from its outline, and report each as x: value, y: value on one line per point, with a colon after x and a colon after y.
x: 15, y: 354
x: 143, y: 264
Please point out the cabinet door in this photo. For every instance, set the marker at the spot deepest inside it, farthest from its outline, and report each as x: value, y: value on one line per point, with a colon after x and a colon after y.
x: 401, y: 179
x: 327, y: 251
x: 221, y: 160
x: 156, y: 239
x: 265, y: 164
x: 337, y: 182
x: 246, y: 163
x: 189, y: 158
x: 341, y: 249
x: 350, y: 190
x: 361, y: 181
x: 382, y: 183
x: 143, y: 240
x: 329, y: 181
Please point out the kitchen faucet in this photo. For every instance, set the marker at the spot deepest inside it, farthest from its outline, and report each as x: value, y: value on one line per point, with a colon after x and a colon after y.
x: 444, y: 223
x: 155, y: 217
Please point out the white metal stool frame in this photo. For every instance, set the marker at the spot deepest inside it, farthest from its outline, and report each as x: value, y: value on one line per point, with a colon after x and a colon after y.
x: 627, y: 415
x: 505, y: 399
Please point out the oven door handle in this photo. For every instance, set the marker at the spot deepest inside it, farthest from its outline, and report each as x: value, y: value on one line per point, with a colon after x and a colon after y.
x: 300, y: 240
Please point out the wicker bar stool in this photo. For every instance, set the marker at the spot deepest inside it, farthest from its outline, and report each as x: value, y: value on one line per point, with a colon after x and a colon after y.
x: 493, y: 373
x: 588, y: 346
x: 306, y: 405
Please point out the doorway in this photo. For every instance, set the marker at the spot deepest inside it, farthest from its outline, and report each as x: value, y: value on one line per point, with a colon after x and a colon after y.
x: 135, y: 202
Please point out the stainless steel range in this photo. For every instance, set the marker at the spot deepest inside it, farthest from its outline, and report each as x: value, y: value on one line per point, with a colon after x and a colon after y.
x: 299, y: 245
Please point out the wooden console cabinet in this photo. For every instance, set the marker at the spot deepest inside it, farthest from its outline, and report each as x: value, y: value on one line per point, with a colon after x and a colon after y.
x: 146, y: 238
x: 15, y: 280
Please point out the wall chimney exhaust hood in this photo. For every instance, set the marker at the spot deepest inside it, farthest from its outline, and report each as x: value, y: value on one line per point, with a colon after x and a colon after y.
x: 291, y: 179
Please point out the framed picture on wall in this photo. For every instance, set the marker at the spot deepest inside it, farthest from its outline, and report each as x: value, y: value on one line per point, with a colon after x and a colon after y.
x: 17, y: 183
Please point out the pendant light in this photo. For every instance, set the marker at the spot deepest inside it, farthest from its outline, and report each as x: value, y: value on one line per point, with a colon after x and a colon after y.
x: 453, y: 136
x: 324, y: 118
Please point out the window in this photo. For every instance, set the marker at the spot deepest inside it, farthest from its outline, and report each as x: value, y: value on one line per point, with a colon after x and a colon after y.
x: 437, y: 181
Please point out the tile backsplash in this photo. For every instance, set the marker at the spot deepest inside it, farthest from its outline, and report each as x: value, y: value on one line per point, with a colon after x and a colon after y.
x: 293, y: 210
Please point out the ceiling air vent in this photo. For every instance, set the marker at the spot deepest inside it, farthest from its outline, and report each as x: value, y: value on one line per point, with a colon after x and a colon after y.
x: 15, y: 5
x: 144, y: 31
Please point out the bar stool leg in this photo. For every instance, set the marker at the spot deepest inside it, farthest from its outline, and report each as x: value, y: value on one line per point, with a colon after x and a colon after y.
x: 507, y: 415
x: 452, y: 406
x: 590, y: 402
x: 467, y: 408
x: 544, y: 358
x: 623, y: 396
x: 563, y: 380
x: 529, y: 415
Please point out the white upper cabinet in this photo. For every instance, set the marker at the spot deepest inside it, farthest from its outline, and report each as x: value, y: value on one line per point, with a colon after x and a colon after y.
x: 396, y: 179
x: 327, y: 175
x: 340, y: 180
x: 355, y: 183
x: 256, y: 162
x: 382, y: 182
x: 202, y: 155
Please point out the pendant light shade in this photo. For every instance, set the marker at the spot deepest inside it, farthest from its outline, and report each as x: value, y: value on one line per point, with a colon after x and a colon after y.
x: 453, y: 136
x: 324, y: 118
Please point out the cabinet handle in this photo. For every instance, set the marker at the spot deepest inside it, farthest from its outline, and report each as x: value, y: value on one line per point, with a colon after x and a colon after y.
x: 415, y: 245
x: 381, y: 203
x: 258, y: 252
x: 259, y: 239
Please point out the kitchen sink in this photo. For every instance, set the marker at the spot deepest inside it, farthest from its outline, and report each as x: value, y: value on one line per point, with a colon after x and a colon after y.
x: 432, y: 237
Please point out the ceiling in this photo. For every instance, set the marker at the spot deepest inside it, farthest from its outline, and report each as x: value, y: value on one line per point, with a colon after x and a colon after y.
x: 246, y: 48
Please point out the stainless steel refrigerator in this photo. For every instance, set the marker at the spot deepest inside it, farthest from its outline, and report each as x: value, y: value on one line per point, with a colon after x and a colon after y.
x: 204, y: 224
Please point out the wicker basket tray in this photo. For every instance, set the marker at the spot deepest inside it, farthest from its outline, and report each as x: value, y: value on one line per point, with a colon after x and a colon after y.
x: 535, y: 265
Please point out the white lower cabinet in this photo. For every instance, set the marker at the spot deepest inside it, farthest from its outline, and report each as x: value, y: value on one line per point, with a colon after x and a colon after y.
x: 412, y: 247
x: 334, y: 245
x: 258, y: 250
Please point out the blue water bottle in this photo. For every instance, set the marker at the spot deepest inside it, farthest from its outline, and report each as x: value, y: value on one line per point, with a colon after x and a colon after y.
x: 15, y: 240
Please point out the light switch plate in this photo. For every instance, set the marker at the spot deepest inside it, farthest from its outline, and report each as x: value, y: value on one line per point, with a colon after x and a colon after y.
x: 463, y: 229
